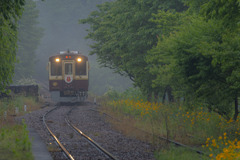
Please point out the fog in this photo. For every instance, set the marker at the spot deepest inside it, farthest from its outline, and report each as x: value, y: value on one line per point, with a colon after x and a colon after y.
x: 62, y: 31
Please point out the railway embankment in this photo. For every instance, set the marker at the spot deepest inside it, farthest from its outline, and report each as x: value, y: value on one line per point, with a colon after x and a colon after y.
x: 178, y: 131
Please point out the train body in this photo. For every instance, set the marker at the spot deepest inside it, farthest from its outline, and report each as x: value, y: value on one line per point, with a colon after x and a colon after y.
x: 68, y: 76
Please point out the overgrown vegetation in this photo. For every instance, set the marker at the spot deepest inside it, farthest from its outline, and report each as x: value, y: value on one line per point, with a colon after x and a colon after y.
x: 15, y: 143
x: 10, y: 12
x: 180, y: 48
x: 183, y: 51
x: 172, y: 153
x: 192, y: 125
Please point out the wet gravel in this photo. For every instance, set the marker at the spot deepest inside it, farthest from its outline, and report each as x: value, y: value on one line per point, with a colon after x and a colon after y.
x: 94, y: 125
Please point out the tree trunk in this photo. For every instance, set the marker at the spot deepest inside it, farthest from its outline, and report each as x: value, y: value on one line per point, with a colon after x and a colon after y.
x: 155, y: 96
x: 164, y: 95
x: 168, y: 91
x: 170, y: 96
x: 236, y: 109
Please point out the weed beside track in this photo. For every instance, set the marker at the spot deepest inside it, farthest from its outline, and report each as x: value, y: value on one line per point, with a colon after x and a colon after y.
x: 198, y: 128
x: 15, y: 143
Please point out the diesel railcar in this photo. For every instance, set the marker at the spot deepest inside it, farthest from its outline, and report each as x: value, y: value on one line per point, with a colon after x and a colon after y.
x: 68, y: 76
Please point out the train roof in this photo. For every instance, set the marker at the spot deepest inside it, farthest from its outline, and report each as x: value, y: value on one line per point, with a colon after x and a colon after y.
x: 63, y: 54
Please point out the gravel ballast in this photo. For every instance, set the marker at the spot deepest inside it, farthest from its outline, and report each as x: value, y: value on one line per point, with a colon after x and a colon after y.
x: 94, y: 125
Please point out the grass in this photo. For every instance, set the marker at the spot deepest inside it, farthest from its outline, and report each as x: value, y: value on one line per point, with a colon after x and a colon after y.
x: 179, y: 153
x: 14, y: 140
x: 197, y: 127
x: 15, y: 144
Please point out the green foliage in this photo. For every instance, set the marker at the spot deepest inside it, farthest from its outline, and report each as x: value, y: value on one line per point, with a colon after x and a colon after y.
x: 196, y: 53
x: 226, y: 56
x: 133, y: 93
x: 8, y: 41
x: 102, y: 79
x: 194, y: 5
x: 10, y: 11
x: 123, y: 46
x: 112, y: 94
x: 191, y: 127
x: 10, y: 104
x: 160, y: 58
x: 180, y: 153
x: 199, y: 59
x: 28, y: 40
x: 167, y: 22
x: 15, y: 143
x: 226, y: 11
x: 130, y: 93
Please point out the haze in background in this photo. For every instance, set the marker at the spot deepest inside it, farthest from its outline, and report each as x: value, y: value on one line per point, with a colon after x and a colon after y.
x: 62, y: 31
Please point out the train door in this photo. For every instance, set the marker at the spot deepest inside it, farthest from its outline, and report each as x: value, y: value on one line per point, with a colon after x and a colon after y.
x: 68, y: 72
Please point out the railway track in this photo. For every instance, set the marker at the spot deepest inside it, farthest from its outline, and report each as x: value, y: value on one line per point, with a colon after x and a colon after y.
x: 96, y: 150
x: 107, y: 154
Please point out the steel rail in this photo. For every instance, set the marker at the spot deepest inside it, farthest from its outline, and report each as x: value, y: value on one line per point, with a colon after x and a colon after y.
x: 54, y: 136
x: 89, y: 139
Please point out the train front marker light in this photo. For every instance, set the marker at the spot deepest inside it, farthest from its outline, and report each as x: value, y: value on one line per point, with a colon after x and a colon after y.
x: 79, y: 59
x: 57, y: 60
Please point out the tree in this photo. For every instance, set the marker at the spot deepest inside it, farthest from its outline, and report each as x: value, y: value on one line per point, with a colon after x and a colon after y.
x: 225, y: 56
x: 10, y: 12
x: 225, y: 53
x: 226, y: 11
x: 160, y: 61
x: 201, y: 57
x: 28, y: 40
x: 123, y: 34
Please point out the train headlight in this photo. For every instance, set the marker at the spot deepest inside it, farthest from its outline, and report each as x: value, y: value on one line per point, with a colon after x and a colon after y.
x: 57, y: 60
x: 79, y: 60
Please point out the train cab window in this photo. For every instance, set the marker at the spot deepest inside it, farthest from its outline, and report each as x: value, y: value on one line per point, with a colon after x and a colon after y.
x: 56, y: 69
x: 81, y: 68
x: 68, y: 68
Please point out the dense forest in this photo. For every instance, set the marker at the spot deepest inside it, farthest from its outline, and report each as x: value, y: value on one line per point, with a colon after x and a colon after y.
x: 185, y: 49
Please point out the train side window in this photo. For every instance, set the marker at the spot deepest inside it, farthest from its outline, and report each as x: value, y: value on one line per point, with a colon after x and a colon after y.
x: 56, y: 69
x: 81, y: 68
x: 68, y: 68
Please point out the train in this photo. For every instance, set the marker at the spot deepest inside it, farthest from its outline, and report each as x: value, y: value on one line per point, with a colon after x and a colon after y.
x: 68, y: 76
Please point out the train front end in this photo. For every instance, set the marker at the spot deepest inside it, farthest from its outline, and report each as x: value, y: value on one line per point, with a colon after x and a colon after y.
x: 68, y: 77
